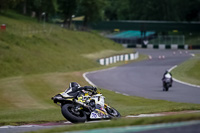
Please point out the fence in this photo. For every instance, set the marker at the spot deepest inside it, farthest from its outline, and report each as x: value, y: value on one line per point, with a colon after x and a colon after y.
x: 117, y: 58
x: 155, y: 40
x: 26, y: 30
x: 167, y: 40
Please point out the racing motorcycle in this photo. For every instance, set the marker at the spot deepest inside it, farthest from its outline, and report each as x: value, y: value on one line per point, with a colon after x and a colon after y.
x: 86, y: 106
x: 167, y: 83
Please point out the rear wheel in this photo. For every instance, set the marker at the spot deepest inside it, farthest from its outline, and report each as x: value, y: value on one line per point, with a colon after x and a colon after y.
x: 70, y: 113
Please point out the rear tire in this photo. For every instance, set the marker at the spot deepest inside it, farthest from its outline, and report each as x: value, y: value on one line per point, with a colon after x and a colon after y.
x: 74, y: 117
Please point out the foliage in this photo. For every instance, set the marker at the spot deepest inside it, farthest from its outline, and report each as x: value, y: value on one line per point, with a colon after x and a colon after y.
x: 168, y: 10
x: 67, y: 8
x: 5, y: 4
x: 93, y: 10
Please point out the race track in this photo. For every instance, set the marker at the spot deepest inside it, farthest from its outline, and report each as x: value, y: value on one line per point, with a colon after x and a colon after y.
x: 144, y: 78
x: 138, y: 79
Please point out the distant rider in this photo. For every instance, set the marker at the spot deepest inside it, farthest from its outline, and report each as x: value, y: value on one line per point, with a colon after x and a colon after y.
x: 167, y: 75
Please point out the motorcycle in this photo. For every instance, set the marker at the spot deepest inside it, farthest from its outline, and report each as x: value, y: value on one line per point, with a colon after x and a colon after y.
x: 167, y: 83
x: 88, y: 105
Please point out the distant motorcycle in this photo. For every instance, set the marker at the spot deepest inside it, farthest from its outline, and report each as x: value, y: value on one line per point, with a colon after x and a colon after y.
x: 88, y: 105
x: 167, y: 83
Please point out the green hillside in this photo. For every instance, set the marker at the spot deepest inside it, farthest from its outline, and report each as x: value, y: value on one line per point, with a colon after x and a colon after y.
x: 29, y: 47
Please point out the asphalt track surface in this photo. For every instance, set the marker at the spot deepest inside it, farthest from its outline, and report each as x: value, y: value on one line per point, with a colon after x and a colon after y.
x: 144, y: 78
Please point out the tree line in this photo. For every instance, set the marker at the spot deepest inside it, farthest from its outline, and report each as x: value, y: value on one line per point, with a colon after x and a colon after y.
x: 96, y: 10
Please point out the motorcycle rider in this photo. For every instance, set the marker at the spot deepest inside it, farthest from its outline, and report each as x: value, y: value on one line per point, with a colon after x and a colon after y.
x: 79, y: 106
x: 167, y: 75
x: 75, y: 89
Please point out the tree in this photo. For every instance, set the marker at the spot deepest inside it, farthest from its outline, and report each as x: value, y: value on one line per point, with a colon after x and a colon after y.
x: 111, y: 9
x: 50, y: 8
x: 190, y: 11
x: 67, y: 9
x: 92, y: 10
x: 167, y: 10
x: 5, y: 4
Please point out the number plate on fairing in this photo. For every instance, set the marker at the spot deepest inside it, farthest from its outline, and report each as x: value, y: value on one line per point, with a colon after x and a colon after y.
x: 98, y: 114
x: 95, y: 115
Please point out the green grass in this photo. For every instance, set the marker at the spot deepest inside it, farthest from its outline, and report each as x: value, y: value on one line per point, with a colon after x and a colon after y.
x: 28, y: 98
x: 24, y: 51
x: 124, y: 122
x: 189, y: 71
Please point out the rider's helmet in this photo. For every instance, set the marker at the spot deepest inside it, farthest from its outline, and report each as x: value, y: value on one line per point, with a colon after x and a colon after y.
x: 74, y: 84
x: 168, y: 76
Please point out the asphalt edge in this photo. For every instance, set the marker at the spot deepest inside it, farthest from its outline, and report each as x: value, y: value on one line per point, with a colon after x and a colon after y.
x: 89, y: 81
x: 185, y: 83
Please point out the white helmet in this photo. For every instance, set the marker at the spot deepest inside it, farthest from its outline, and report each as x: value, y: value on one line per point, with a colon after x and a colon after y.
x: 168, y: 75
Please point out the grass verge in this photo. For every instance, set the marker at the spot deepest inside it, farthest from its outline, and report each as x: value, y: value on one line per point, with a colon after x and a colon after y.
x: 124, y: 122
x: 189, y: 71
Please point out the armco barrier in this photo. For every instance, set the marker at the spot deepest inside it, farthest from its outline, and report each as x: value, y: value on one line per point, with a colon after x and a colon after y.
x: 117, y: 58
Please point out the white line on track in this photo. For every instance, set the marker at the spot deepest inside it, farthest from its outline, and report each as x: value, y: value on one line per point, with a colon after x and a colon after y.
x: 91, y: 83
x: 144, y: 115
x: 22, y: 126
x: 182, y: 81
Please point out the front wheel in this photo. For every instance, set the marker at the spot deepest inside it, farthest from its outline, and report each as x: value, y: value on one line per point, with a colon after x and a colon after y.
x: 167, y: 88
x: 69, y: 112
x: 113, y: 112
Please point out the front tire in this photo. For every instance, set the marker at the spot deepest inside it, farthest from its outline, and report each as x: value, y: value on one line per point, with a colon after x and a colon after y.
x: 164, y: 89
x: 167, y: 88
x: 113, y: 112
x: 74, y: 117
